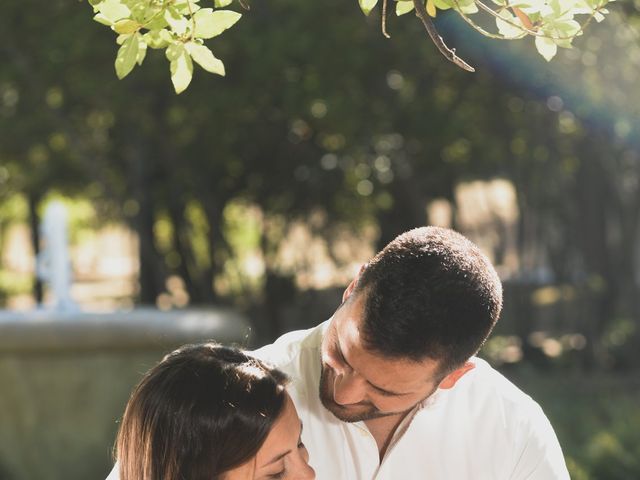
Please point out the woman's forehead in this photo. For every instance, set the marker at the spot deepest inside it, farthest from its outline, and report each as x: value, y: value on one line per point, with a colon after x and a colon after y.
x: 283, y: 436
x: 279, y: 440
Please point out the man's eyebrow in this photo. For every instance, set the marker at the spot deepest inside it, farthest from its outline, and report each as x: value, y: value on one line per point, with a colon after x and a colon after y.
x: 380, y: 389
x: 384, y: 390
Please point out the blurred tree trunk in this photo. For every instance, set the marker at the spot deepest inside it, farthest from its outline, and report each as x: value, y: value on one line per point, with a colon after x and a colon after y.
x: 279, y: 289
x: 213, y: 209
x: 187, y: 268
x: 151, y: 275
x: 525, y: 283
x: 34, y: 225
x: 409, y: 210
x: 593, y: 197
x: 523, y: 176
x: 271, y: 298
x: 625, y: 181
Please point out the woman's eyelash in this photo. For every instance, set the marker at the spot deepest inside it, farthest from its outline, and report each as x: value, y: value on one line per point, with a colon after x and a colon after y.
x: 280, y: 475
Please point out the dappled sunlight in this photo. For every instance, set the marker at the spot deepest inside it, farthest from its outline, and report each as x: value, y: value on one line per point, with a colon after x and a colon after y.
x: 263, y: 192
x: 105, y: 262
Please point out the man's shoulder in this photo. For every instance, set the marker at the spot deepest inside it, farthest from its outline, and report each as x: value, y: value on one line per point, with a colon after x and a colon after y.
x: 510, y: 434
x: 297, y: 354
x: 538, y: 453
x: 488, y: 393
x: 293, y: 350
x: 487, y: 381
x: 493, y: 398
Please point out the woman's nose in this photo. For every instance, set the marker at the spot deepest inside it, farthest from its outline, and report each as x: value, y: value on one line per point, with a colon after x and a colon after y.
x: 308, y: 473
x: 302, y: 470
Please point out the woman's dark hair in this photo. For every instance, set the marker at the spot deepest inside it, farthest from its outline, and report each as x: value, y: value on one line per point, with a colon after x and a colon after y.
x: 430, y: 293
x: 202, y: 411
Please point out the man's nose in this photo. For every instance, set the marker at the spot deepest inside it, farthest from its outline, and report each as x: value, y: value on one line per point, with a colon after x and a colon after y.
x: 349, y: 388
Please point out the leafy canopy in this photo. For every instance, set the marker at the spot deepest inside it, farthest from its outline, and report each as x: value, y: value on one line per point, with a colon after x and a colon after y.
x: 180, y: 27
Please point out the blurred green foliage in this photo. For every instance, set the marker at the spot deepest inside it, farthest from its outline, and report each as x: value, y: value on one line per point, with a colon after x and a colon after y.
x: 181, y: 28
x: 596, y: 419
x: 319, y: 113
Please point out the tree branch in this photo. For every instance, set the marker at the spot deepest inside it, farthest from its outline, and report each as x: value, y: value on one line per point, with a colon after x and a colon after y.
x: 449, y: 54
x: 384, y: 19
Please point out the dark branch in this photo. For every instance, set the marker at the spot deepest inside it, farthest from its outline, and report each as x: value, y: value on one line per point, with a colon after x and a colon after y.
x: 450, y: 54
x: 384, y: 19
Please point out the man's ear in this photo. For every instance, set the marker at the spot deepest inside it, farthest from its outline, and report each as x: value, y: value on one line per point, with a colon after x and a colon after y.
x: 450, y: 380
x: 349, y: 290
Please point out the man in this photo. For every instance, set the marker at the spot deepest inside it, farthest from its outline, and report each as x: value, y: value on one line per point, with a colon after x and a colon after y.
x: 389, y: 387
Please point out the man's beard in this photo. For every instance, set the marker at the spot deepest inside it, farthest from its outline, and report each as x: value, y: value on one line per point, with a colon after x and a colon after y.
x: 351, y: 413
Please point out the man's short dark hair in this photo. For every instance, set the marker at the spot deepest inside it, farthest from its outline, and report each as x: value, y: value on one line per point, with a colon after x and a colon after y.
x: 430, y: 293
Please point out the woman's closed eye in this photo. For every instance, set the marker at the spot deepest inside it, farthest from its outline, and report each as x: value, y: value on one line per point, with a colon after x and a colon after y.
x: 281, y: 474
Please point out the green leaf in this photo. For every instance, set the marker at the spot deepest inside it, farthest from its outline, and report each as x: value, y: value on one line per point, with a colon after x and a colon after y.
x: 181, y: 67
x: 469, y: 9
x: 121, y: 38
x: 563, y: 32
x: 113, y: 10
x: 568, y: 28
x: 186, y: 8
x: 506, y: 27
x: 546, y: 47
x: 138, y: 10
x: 468, y: 6
x: 142, y: 52
x: 177, y: 22
x: 530, y: 6
x: 367, y: 5
x: 154, y: 18
x: 222, y: 3
x: 174, y: 51
x: 594, y: 4
x: 126, y: 26
x: 443, y: 4
x: 158, y: 38
x: 431, y: 8
x: 210, y: 24
x: 403, y: 7
x: 98, y: 17
x: 205, y: 58
x: 127, y: 56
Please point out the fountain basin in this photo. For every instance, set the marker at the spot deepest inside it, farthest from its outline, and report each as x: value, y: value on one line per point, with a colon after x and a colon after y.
x: 65, y: 379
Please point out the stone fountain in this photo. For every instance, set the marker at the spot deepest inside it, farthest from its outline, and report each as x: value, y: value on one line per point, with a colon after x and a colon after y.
x: 65, y: 374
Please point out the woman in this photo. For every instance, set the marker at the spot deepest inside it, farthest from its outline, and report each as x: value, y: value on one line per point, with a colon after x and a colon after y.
x: 208, y: 412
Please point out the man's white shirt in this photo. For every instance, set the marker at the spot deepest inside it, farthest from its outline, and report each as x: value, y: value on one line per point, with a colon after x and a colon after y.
x: 482, y: 428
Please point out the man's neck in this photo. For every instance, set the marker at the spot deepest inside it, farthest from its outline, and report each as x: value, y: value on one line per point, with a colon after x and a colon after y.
x: 383, y: 428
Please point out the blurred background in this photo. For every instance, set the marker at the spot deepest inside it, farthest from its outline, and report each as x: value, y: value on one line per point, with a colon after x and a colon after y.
x: 261, y: 193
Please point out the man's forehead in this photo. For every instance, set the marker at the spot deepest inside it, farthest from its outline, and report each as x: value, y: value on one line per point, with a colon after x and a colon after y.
x: 396, y: 374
